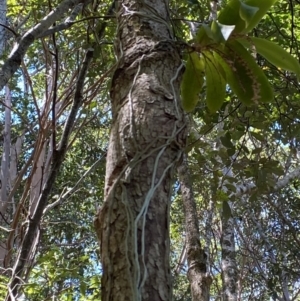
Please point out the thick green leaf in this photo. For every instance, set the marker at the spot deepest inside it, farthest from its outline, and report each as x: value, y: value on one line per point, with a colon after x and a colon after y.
x: 256, y: 151
x: 247, y: 12
x: 226, y: 140
x: 193, y: 2
x: 245, y: 15
x: 205, y: 35
x: 244, y: 76
x: 226, y: 211
x: 221, y: 32
x: 231, y: 151
x: 258, y: 136
x: 192, y: 82
x: 276, y: 55
x: 230, y: 15
x: 264, y: 6
x: 214, y: 96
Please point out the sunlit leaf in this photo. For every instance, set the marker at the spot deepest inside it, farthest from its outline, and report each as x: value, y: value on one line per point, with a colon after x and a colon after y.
x: 245, y: 15
x: 276, y: 55
x: 230, y: 15
x: 247, y: 12
x: 221, y: 32
x: 263, y: 7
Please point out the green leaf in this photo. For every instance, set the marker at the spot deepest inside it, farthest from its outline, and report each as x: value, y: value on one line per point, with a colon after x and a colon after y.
x: 264, y: 6
x: 226, y: 211
x: 230, y: 15
x: 214, y: 97
x: 276, y: 55
x: 258, y: 125
x: 242, y: 13
x: 245, y: 148
x: 237, y: 134
x: 193, y: 2
x: 231, y: 151
x: 192, y: 82
x: 83, y: 288
x: 261, y: 178
x: 253, y: 198
x: 258, y: 136
x: 244, y: 76
x: 204, y: 35
x: 256, y: 151
x: 226, y: 140
x: 277, y: 170
x: 221, y: 32
x: 247, y: 12
x: 230, y: 187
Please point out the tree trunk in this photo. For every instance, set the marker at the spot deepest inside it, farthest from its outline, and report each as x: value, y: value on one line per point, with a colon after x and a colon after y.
x: 198, y: 276
x: 147, y: 135
x: 229, y: 267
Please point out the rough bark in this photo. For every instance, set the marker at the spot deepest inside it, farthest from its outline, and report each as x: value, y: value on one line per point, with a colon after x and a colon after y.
x: 198, y: 276
x: 146, y: 139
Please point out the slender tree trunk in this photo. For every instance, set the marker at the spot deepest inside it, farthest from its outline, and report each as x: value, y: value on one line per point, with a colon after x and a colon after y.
x: 229, y: 266
x: 199, y: 278
x: 146, y: 138
x: 3, y: 9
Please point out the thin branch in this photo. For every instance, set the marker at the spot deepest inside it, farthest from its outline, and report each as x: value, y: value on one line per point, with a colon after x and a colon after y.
x: 58, y: 157
x: 15, y: 58
x: 74, y: 188
x: 10, y: 29
x: 248, y: 188
x: 67, y: 24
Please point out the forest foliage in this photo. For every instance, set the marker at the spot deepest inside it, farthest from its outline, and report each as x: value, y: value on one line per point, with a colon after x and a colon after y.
x: 241, y: 90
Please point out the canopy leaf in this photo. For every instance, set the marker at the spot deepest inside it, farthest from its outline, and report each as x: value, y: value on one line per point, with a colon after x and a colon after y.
x: 275, y: 54
x: 244, y: 76
x: 205, y: 35
x: 226, y: 211
x: 221, y: 32
x: 247, y: 12
x: 245, y: 15
x: 263, y: 7
x: 230, y: 15
x: 192, y: 82
x: 214, y: 96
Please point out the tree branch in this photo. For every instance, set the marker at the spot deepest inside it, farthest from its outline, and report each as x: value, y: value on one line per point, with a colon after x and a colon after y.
x: 67, y: 24
x: 247, y: 188
x: 58, y: 157
x: 74, y: 188
x: 15, y: 58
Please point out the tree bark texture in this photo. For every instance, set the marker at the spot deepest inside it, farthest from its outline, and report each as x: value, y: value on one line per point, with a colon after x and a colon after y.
x: 147, y: 136
x: 199, y: 278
